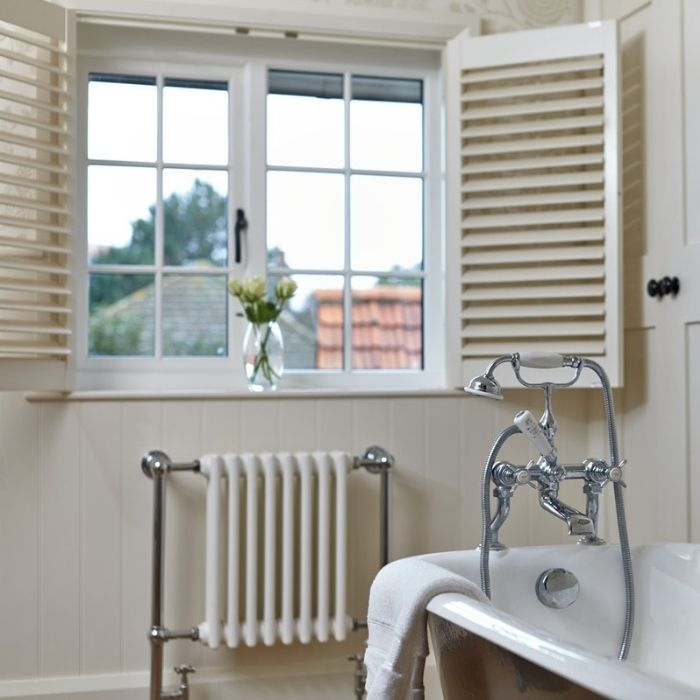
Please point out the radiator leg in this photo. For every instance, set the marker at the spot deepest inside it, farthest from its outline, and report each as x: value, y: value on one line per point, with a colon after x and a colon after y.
x: 360, y: 675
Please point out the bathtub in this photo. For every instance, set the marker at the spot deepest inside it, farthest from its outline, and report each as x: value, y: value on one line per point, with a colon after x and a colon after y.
x: 520, y: 648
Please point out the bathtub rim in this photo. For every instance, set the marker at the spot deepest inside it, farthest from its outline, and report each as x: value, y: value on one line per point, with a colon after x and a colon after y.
x: 613, y: 678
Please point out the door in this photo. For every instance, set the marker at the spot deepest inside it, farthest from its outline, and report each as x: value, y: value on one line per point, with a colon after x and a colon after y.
x: 659, y: 407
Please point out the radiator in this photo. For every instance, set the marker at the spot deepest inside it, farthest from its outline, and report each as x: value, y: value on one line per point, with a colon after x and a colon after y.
x: 283, y: 520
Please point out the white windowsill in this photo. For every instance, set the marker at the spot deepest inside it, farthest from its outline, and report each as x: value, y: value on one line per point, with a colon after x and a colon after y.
x: 189, y: 395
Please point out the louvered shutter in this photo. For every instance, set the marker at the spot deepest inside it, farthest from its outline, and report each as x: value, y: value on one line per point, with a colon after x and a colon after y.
x: 35, y: 194
x: 533, y: 198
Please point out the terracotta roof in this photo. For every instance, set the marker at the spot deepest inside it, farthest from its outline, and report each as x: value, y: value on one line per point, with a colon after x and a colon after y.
x: 387, y: 328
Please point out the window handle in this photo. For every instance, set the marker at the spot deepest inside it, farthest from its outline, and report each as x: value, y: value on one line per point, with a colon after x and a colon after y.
x: 241, y: 225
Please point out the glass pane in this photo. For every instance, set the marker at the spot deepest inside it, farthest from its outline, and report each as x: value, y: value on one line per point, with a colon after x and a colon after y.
x: 305, y: 131
x: 386, y: 124
x: 312, y: 323
x: 305, y: 220
x: 386, y: 222
x: 194, y: 213
x: 122, y: 118
x: 387, y: 323
x: 194, y: 315
x: 122, y: 317
x: 386, y: 136
x: 121, y: 215
x: 195, y: 122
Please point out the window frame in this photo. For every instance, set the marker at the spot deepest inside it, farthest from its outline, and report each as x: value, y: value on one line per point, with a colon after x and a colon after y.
x: 247, y: 78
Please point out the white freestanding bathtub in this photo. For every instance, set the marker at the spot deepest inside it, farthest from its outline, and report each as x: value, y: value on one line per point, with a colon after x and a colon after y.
x: 520, y: 648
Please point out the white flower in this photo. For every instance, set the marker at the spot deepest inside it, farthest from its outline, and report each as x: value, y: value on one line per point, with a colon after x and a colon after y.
x: 285, y: 288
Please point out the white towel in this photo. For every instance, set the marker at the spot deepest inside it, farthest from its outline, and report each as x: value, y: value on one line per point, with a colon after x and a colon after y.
x: 397, y: 644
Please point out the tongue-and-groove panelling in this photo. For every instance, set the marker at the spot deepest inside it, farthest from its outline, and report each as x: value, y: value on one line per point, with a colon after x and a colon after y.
x: 75, y: 516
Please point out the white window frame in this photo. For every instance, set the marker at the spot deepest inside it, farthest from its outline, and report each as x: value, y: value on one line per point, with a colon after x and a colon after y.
x: 248, y: 95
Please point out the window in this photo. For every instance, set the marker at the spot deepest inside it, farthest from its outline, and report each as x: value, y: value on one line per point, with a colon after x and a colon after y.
x: 157, y: 183
x: 340, y: 185
x: 345, y: 217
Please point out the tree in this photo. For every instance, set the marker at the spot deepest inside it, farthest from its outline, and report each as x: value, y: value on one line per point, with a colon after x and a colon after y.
x: 194, y: 226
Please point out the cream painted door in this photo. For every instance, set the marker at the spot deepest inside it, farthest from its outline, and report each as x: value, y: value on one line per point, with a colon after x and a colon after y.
x: 660, y: 402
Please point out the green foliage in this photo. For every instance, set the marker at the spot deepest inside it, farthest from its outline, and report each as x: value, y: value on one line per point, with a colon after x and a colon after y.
x: 194, y: 230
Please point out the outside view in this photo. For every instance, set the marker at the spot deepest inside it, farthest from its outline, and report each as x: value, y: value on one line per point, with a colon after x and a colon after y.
x: 349, y: 233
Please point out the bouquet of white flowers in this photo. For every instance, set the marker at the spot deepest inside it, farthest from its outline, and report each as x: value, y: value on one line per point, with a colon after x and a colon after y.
x: 262, y: 312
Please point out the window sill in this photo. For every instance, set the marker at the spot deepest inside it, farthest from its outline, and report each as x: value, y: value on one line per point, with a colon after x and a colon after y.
x: 288, y: 394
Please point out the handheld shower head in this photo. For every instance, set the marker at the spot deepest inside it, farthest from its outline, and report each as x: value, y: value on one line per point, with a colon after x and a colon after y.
x: 485, y: 385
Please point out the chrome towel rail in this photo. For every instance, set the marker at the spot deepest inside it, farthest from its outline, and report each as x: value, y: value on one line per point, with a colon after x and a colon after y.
x: 156, y: 465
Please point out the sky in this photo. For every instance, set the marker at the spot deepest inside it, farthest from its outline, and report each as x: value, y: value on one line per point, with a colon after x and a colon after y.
x: 306, y: 212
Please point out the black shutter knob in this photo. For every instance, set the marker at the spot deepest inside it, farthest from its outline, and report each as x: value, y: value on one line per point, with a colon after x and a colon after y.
x: 670, y: 285
x: 654, y: 288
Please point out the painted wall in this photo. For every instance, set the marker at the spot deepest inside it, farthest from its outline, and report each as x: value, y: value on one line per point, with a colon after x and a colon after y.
x: 75, y: 508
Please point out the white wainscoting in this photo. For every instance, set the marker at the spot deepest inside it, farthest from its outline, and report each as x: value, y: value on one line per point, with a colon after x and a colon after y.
x: 75, y: 514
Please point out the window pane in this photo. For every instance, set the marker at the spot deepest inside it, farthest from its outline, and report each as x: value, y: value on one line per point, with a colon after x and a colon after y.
x: 122, y: 317
x: 387, y: 323
x: 194, y: 315
x: 122, y: 118
x: 195, y: 122
x: 305, y: 220
x: 305, y: 131
x: 386, y: 124
x: 386, y: 222
x: 312, y: 323
x: 121, y: 215
x: 194, y: 213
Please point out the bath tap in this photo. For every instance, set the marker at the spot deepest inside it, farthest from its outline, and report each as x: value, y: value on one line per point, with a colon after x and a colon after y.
x: 546, y: 472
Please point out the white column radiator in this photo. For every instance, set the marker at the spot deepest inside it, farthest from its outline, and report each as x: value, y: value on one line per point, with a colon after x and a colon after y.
x: 276, y: 527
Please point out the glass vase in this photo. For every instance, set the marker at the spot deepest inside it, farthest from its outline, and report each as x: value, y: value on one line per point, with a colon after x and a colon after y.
x: 263, y: 356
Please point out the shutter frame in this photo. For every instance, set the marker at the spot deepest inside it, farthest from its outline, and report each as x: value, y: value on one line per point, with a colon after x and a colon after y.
x: 37, y: 142
x: 573, y: 222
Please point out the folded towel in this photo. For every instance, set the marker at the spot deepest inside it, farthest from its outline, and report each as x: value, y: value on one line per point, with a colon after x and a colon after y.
x: 397, y: 644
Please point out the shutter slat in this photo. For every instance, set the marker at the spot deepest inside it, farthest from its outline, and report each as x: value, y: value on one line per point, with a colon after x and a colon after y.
x: 537, y: 70
x: 36, y: 144
x: 33, y: 287
x: 527, y: 127
x: 58, y: 170
x: 534, y: 311
x: 26, y: 120
x: 574, y: 346
x: 27, y: 265
x: 32, y: 205
x: 30, y: 184
x: 492, y: 148
x: 563, y: 273
x: 14, y: 222
x: 48, y: 44
x: 533, y: 292
x: 529, y: 108
x: 508, y: 201
x: 42, y: 65
x: 528, y: 256
x: 530, y: 90
x: 57, y: 90
x: 497, y: 184
x: 34, y: 328
x: 539, y: 218
x: 36, y: 104
x: 18, y: 349
x: 572, y: 160
x: 541, y: 329
x: 533, y: 237
x: 55, y: 308
x: 25, y: 244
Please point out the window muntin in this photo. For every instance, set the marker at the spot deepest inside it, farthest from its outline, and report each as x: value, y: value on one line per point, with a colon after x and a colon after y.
x: 157, y: 223
x: 360, y: 320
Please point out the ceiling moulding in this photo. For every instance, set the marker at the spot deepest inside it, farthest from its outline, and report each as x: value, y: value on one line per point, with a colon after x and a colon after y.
x: 306, y: 19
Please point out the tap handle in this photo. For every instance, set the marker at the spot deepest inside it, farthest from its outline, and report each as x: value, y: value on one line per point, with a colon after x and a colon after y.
x: 541, y: 360
x: 534, y: 433
x: 183, y: 671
